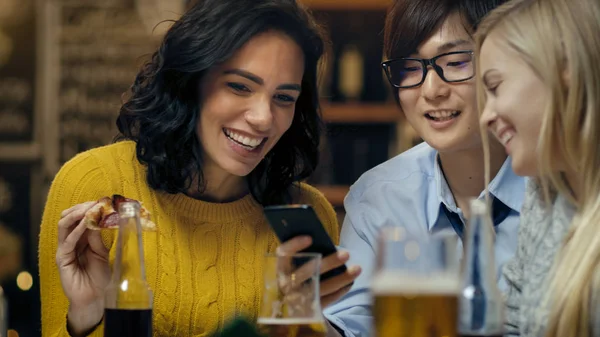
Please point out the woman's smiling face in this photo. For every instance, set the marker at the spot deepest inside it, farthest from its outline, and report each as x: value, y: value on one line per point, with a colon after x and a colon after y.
x: 515, y: 101
x: 248, y: 102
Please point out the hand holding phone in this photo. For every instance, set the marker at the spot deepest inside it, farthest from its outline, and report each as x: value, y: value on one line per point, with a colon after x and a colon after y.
x: 290, y: 221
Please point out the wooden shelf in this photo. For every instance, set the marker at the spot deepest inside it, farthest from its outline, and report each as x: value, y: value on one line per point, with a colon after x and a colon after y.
x: 360, y: 113
x: 20, y: 151
x: 347, y: 4
x: 334, y: 193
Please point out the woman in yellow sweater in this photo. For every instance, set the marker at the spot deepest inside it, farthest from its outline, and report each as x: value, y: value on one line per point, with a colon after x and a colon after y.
x: 222, y: 121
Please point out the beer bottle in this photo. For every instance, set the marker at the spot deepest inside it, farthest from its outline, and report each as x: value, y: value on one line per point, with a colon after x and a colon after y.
x: 3, y: 314
x: 128, y: 305
x: 481, y: 304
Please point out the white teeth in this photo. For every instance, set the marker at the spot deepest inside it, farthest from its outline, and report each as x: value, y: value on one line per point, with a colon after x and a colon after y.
x: 244, y: 140
x: 506, y: 137
x: 442, y: 113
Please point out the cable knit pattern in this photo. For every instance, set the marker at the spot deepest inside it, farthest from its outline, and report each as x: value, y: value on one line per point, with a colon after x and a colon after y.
x: 205, y: 261
x: 205, y: 237
x: 541, y: 235
x: 245, y: 259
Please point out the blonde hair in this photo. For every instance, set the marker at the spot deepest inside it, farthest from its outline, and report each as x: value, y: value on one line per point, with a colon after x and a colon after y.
x: 560, y: 41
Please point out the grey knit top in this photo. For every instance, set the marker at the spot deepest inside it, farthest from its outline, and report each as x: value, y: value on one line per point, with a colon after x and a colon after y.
x: 541, y: 236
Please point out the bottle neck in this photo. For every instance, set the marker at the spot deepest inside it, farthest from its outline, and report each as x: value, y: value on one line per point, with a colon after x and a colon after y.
x: 128, y: 288
x: 481, y: 302
x: 129, y: 261
x: 480, y: 263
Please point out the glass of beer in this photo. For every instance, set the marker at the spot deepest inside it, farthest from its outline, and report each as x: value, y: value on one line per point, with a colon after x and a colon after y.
x: 291, y: 305
x: 415, y: 285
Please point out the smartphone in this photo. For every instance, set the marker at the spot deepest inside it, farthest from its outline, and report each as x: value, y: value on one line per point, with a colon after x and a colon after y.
x: 289, y: 221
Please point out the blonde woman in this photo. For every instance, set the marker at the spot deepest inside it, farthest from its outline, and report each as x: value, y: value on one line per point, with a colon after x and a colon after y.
x: 539, y: 84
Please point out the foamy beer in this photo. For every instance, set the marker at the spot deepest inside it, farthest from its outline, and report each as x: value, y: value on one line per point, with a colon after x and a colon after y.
x: 291, y: 306
x: 416, y: 307
x: 416, y: 284
x: 292, y: 327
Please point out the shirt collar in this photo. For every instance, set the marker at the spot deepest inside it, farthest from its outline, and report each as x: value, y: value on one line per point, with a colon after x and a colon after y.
x: 443, y: 189
x: 506, y: 186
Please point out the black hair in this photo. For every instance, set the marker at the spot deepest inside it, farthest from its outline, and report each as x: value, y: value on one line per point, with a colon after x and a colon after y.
x: 162, y: 110
x: 410, y: 22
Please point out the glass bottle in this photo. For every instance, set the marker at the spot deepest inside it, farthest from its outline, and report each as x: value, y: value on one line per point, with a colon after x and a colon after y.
x: 128, y: 302
x: 3, y: 314
x: 481, y: 304
x: 351, y: 73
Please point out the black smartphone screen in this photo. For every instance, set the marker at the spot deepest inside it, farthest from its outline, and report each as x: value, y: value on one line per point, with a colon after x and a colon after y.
x: 289, y: 221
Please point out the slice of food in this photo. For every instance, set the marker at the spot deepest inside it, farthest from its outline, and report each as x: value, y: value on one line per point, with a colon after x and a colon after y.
x: 104, y: 214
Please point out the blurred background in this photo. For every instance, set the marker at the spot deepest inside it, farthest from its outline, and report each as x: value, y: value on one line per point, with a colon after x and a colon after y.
x: 65, y: 63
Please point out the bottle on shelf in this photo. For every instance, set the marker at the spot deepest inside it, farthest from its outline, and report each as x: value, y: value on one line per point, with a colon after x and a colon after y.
x: 481, y: 304
x: 128, y: 306
x: 351, y: 74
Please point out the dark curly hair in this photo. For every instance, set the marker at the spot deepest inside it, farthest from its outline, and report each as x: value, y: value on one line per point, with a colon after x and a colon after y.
x: 162, y: 110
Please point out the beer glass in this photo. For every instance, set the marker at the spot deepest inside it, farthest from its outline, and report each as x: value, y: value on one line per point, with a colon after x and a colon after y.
x: 416, y: 284
x: 291, y: 305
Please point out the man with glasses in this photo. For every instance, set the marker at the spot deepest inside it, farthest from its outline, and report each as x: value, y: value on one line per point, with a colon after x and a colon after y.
x: 410, y: 72
x: 427, y: 188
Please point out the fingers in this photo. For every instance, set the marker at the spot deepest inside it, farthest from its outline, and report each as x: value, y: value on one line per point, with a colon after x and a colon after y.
x: 95, y: 241
x: 294, y: 245
x: 71, y: 216
x: 292, y: 280
x: 334, y: 260
x: 291, y: 247
x: 332, y: 298
x: 70, y: 243
x: 335, y: 284
x: 67, y: 236
x: 69, y: 210
x: 331, y: 289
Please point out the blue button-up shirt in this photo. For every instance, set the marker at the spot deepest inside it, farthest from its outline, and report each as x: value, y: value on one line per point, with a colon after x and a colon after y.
x: 409, y: 189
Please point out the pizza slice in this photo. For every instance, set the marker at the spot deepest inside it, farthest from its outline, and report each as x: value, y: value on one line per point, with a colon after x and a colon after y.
x: 104, y: 214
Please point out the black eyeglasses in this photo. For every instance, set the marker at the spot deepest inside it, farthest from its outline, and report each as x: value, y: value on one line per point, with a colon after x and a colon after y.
x: 408, y: 72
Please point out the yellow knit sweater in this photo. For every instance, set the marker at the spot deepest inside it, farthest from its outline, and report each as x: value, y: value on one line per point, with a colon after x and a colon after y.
x: 205, y: 261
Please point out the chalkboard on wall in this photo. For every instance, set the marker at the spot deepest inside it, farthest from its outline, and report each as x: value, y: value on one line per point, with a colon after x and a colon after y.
x: 102, y: 45
x: 17, y: 70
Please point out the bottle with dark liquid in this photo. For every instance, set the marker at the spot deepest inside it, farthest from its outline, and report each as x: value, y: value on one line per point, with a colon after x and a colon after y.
x: 481, y: 305
x: 128, y: 305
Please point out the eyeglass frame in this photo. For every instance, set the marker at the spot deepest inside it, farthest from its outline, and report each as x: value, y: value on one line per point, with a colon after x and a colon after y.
x: 426, y: 63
